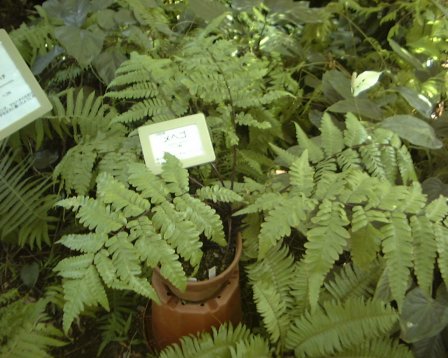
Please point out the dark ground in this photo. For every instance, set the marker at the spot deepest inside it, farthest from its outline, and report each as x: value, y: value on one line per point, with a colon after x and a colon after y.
x: 14, y: 12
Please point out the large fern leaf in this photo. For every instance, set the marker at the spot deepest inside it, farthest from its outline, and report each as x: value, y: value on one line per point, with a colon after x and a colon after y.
x: 336, y: 327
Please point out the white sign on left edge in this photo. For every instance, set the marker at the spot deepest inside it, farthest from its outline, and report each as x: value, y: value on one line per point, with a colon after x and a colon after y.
x: 22, y: 100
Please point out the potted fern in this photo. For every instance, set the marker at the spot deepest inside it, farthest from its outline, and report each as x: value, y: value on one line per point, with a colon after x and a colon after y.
x: 136, y: 222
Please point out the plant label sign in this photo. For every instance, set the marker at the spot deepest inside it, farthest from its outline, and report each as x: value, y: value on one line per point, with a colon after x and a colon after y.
x: 22, y: 100
x: 186, y: 138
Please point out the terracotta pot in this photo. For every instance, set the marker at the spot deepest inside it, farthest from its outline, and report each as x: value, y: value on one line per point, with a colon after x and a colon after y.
x: 209, y: 303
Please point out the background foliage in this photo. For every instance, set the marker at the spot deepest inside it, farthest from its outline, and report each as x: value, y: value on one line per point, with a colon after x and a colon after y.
x: 328, y: 120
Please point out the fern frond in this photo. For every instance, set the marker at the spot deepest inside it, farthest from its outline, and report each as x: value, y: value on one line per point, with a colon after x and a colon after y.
x: 216, y: 344
x: 175, y: 176
x: 326, y: 242
x: 111, y: 191
x: 75, y: 266
x: 253, y: 347
x: 332, y: 138
x: 397, y: 248
x: 93, y: 214
x: 273, y: 310
x: 377, y: 348
x: 314, y: 151
x: 339, y: 326
x: 150, y: 185
x: 437, y: 209
x: 80, y: 293
x: 405, y: 165
x: 348, y: 159
x: 203, y: 216
x: 302, y: 175
x: 355, y: 133
x: 180, y: 233
x: 365, y: 245
x: 106, y: 268
x: 292, y: 212
x: 389, y: 159
x: 425, y: 251
x: 153, y: 250
x: 441, y: 236
x: 271, y: 279
x: 24, y: 202
x: 217, y: 193
x: 351, y: 282
x: 371, y: 157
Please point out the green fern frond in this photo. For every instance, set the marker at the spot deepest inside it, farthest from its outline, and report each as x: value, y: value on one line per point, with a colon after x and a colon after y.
x: 272, y: 309
x: 75, y: 266
x: 25, y: 329
x: 351, y: 282
x: 355, y: 133
x: 24, y: 202
x: 265, y: 202
x: 371, y: 157
x: 150, y: 185
x: 86, y: 243
x: 302, y: 175
x: 437, y: 210
x: 332, y: 138
x: 180, y: 233
x: 314, y: 151
x: 378, y: 348
x: 153, y: 250
x: 216, y: 344
x: 217, y: 193
x: 397, y: 248
x: 365, y: 245
x: 246, y: 119
x: 339, y: 326
x: 271, y: 280
x: 203, y: 216
x: 405, y: 165
x: 348, y: 159
x: 111, y: 191
x: 326, y: 242
x: 253, y: 347
x: 93, y: 214
x: 425, y: 251
x: 106, y: 268
x: 80, y: 293
x: 76, y: 168
x: 292, y: 212
x: 441, y: 236
x: 175, y: 176
x: 389, y: 159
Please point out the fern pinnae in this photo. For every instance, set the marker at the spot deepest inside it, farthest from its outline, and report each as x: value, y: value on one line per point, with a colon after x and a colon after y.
x: 339, y: 326
x: 355, y: 133
x: 315, y: 152
x: 425, y: 251
x: 150, y: 185
x: 332, y: 138
x: 398, y: 251
x: 326, y: 242
x: 302, y: 175
x: 86, y: 243
x: 111, y: 191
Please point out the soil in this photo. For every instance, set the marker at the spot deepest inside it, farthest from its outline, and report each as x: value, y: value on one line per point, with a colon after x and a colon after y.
x: 214, y: 256
x: 14, y: 12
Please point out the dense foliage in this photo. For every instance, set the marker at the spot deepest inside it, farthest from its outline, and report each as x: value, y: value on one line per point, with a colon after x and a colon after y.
x: 329, y: 127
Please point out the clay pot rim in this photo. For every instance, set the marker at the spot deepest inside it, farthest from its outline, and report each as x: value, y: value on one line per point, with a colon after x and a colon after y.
x: 227, y: 271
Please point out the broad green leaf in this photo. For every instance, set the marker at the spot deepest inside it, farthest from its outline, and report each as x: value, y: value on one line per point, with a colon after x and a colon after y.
x: 29, y: 274
x: 413, y: 129
x: 364, y: 81
x: 207, y: 9
x: 72, y: 12
x: 405, y: 55
x: 416, y: 100
x: 362, y: 107
x: 336, y: 85
x: 83, y: 45
x: 107, y: 63
x: 421, y: 317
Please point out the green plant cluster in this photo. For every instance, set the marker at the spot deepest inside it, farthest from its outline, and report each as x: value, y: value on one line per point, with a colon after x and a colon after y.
x: 329, y: 128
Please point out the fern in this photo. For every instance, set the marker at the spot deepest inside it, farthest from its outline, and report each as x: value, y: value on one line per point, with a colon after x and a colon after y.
x: 25, y: 328
x: 220, y: 343
x: 332, y: 138
x: 326, y: 242
x: 336, y: 327
x: 25, y: 202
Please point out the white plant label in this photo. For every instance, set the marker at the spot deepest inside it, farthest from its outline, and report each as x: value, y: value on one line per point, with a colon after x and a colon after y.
x: 16, y: 97
x: 187, y: 138
x: 183, y: 143
x: 22, y: 100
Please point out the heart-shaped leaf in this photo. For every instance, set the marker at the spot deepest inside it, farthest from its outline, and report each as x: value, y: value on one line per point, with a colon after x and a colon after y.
x: 83, y: 45
x: 414, y: 130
